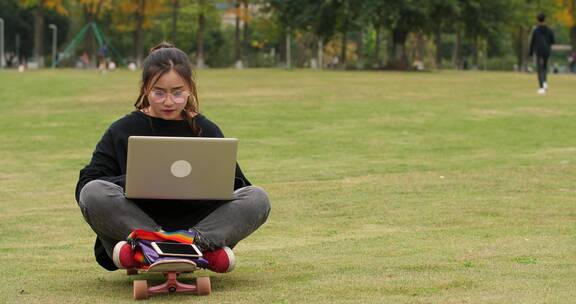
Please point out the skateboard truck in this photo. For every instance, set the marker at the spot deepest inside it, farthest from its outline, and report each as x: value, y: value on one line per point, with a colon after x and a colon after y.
x: 171, y: 269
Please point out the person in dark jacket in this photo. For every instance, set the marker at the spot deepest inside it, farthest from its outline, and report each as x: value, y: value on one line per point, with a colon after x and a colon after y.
x: 540, y: 45
x: 167, y: 106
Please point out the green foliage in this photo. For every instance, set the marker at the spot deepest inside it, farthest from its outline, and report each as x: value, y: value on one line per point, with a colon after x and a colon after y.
x: 19, y: 20
x: 318, y: 17
x: 501, y: 25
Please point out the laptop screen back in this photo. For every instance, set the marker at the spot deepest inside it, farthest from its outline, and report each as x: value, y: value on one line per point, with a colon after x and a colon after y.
x: 186, y: 168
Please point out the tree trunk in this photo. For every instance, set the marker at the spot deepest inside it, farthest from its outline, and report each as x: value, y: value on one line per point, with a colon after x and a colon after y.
x: 377, y: 48
x: 457, y: 55
x: 520, y: 49
x: 438, y: 44
x: 91, y: 13
x: 39, y: 35
x: 175, y: 7
x: 237, y: 46
x: 343, y: 50
x: 89, y: 38
x: 288, y: 48
x: 343, y: 47
x: 398, y: 60
x: 573, y: 37
x: 200, y: 37
x: 475, y: 53
x: 245, y: 35
x: 320, y: 53
x: 138, y: 34
x: 420, y: 46
x: 360, y: 50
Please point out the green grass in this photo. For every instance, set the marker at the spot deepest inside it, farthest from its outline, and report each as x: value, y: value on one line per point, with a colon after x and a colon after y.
x: 386, y: 187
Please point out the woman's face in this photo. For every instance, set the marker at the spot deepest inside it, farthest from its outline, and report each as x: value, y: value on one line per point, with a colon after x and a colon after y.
x: 168, y: 96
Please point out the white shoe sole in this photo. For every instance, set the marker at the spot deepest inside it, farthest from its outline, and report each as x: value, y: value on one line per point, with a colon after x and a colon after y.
x: 116, y: 254
x: 232, y: 259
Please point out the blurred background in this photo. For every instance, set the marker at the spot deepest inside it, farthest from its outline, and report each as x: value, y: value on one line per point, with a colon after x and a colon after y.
x: 334, y: 34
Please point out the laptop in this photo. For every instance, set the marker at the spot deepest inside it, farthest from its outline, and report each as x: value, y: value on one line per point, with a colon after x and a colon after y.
x: 184, y: 168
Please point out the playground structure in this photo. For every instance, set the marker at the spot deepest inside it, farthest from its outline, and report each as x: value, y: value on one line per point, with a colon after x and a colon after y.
x: 101, y: 39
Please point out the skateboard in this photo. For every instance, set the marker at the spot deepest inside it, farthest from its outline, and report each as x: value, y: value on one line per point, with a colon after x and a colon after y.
x: 171, y: 269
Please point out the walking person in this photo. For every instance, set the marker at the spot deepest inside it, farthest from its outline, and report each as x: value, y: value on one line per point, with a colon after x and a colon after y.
x: 167, y: 106
x: 540, y: 45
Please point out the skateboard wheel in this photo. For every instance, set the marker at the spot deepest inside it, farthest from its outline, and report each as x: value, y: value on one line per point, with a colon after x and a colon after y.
x: 140, y: 290
x: 203, y: 286
x: 131, y: 271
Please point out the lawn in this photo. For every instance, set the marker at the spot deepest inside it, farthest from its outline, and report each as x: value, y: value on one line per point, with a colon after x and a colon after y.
x: 386, y: 187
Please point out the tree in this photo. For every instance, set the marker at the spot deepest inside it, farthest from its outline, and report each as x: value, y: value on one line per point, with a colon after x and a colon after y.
x: 402, y: 17
x: 135, y: 16
x: 351, y: 15
x: 377, y: 18
x: 175, y: 6
x: 19, y: 22
x: 484, y: 17
x: 40, y: 6
x: 93, y: 10
x: 567, y: 16
x: 521, y: 20
x: 245, y: 32
x: 204, y: 6
x: 198, y: 30
x: 318, y: 17
x: 443, y: 15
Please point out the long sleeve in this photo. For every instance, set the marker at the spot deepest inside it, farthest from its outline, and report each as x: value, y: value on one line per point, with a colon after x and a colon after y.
x: 104, y: 165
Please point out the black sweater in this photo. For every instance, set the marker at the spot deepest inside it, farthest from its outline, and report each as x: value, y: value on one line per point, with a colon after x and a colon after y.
x: 541, y: 41
x: 109, y: 158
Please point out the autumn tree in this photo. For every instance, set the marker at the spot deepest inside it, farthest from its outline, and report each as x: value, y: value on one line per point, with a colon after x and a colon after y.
x: 40, y: 6
x: 136, y: 16
x: 93, y: 11
x: 567, y: 16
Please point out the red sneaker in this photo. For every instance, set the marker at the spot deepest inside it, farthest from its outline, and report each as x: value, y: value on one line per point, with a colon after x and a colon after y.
x: 123, y: 256
x: 220, y: 260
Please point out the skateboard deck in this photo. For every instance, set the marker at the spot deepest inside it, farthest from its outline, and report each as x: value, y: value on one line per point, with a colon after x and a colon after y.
x: 171, y: 269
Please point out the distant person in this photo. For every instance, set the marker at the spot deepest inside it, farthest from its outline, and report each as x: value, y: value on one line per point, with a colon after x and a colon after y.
x: 102, y: 58
x: 540, y: 45
x: 572, y: 62
x: 166, y: 106
x: 85, y: 59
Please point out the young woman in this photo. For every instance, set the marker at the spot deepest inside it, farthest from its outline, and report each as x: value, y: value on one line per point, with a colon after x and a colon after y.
x: 167, y: 106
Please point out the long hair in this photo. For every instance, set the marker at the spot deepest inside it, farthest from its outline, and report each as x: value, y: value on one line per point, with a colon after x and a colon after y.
x: 163, y: 58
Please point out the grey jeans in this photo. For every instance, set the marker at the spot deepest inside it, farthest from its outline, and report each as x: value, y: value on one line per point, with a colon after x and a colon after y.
x: 113, y: 217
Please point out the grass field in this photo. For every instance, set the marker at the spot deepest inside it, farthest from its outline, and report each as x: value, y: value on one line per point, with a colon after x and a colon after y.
x: 386, y: 187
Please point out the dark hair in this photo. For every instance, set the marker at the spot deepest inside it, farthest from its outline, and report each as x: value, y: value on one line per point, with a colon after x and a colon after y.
x: 163, y: 58
x: 541, y: 17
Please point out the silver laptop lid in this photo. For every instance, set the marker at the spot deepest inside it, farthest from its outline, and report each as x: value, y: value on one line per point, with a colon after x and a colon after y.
x: 187, y: 168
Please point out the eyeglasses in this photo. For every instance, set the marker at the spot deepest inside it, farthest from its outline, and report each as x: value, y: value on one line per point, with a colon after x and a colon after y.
x: 179, y: 96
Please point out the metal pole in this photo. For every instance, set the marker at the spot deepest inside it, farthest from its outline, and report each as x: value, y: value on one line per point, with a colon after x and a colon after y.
x: 2, y: 60
x: 54, y: 38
